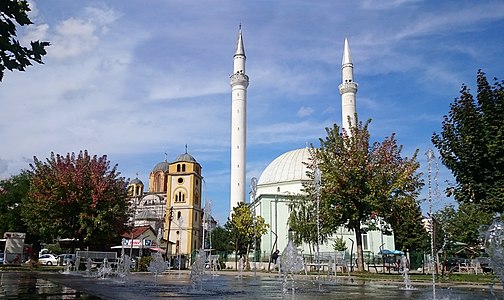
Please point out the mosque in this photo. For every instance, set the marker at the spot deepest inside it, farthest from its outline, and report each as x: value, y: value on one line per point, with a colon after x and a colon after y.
x: 283, y: 178
x: 173, y: 205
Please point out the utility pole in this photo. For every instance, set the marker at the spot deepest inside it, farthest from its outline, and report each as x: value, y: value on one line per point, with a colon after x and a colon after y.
x: 170, y: 219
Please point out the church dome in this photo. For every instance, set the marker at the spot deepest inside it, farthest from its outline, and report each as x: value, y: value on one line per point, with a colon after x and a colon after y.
x: 162, y: 166
x: 186, y: 157
x: 136, y: 181
x: 289, y: 166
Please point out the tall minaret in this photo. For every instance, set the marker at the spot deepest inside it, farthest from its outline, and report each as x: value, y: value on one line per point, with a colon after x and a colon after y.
x: 239, y: 84
x: 347, y: 89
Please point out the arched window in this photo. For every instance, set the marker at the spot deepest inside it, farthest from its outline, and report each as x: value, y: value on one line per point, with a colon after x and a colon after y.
x: 178, y: 168
x: 183, y: 168
x: 179, y: 215
x: 158, y: 186
x: 180, y: 196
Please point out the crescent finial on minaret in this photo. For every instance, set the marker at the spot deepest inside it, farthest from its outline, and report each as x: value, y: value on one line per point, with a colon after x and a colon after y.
x: 240, y: 50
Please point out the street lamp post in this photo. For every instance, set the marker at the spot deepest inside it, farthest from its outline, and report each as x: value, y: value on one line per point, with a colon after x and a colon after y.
x: 253, y: 188
x: 317, y: 179
x: 430, y: 159
x: 135, y: 199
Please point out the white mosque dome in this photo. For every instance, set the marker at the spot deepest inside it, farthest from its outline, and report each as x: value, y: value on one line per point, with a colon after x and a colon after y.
x: 288, y: 167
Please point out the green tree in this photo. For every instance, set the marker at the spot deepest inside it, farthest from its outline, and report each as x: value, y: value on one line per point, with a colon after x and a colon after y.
x: 461, y: 225
x: 409, y: 231
x: 78, y: 197
x: 339, y: 244
x: 13, y: 195
x: 303, y: 220
x: 364, y: 185
x: 471, y: 145
x: 13, y: 56
x: 221, y: 240
x: 243, y: 230
x: 13, y: 191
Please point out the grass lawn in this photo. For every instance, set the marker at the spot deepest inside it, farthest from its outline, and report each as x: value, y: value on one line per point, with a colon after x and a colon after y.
x: 453, y: 278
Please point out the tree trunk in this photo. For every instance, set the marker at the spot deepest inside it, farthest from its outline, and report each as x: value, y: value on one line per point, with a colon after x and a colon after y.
x: 360, y: 253
x: 247, y: 265
x: 236, y: 255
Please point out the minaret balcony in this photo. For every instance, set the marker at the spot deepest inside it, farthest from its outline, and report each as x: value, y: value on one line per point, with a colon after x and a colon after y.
x: 239, y: 78
x: 348, y: 87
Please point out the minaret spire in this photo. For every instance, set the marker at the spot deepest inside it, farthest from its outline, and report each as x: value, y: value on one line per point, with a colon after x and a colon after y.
x: 347, y: 57
x: 239, y: 83
x: 347, y: 89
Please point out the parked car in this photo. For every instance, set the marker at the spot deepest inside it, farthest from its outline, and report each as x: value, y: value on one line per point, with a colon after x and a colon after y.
x: 48, y: 260
x: 64, y: 259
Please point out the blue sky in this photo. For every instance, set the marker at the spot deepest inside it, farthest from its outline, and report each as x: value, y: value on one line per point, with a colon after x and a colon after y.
x: 135, y: 79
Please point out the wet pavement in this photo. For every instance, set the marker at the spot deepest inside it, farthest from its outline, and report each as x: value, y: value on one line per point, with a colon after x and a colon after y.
x: 53, y: 285
x: 28, y: 285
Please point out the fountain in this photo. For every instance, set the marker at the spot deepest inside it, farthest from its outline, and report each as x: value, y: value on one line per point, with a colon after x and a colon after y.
x: 157, y: 265
x: 105, y: 269
x: 123, y: 266
x: 89, y: 266
x: 405, y: 273
x: 493, y: 236
x: 67, y: 269
x: 198, y: 270
x: 241, y: 266
x: 291, y: 263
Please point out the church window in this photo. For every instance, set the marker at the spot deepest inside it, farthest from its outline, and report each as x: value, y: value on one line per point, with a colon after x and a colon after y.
x: 180, y: 197
x: 278, y: 189
x: 238, y: 147
x: 183, y: 168
x: 180, y: 180
x: 238, y: 128
x: 179, y: 215
x: 238, y: 166
x: 195, y: 217
x: 158, y: 182
x: 178, y: 168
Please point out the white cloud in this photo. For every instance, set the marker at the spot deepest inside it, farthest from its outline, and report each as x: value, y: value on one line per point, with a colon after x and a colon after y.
x: 77, y: 35
x: 386, y: 4
x: 305, y: 111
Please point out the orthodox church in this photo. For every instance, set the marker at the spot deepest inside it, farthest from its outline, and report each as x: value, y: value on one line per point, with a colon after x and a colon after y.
x: 172, y: 204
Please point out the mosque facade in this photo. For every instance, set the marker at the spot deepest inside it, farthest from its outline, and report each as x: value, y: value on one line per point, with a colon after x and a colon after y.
x: 282, y: 181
